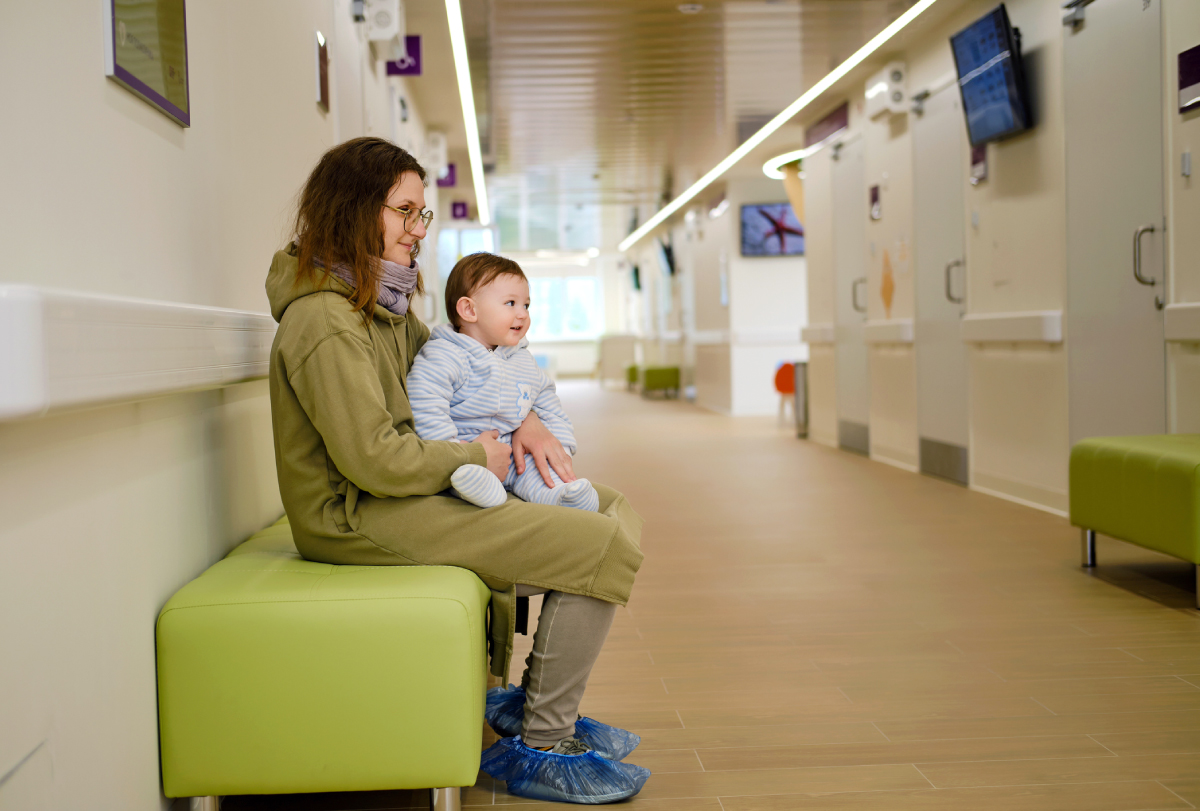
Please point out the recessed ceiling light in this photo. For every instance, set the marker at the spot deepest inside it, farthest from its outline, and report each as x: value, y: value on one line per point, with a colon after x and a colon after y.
x: 458, y: 46
x: 691, y: 8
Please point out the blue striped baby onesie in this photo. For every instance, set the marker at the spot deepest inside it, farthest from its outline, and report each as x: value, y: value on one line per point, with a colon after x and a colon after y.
x: 459, y: 389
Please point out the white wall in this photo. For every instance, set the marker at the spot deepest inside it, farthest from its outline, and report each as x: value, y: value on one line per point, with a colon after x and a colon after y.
x: 108, y: 511
x: 767, y: 307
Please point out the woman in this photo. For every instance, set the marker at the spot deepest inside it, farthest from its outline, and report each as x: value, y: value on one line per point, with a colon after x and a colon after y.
x: 360, y: 487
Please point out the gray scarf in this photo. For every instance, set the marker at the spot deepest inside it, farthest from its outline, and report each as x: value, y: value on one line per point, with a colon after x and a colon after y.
x: 395, y: 286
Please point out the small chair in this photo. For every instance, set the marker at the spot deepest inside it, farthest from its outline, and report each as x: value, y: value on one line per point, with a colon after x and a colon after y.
x: 785, y: 384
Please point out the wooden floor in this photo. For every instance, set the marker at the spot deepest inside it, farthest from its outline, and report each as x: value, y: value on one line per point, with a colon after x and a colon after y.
x: 813, y: 630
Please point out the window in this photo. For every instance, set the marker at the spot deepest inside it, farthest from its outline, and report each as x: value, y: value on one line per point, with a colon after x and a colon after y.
x: 565, y: 308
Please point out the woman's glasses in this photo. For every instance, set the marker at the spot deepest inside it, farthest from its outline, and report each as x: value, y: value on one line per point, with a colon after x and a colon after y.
x: 411, y: 216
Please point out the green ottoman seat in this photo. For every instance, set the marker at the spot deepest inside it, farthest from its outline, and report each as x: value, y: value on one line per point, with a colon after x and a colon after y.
x: 1141, y: 489
x: 277, y: 675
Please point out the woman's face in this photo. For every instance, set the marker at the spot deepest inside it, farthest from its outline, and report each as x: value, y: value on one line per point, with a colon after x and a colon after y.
x: 408, y: 194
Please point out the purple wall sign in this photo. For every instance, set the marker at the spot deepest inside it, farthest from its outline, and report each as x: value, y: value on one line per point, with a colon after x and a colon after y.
x: 458, y: 210
x: 450, y: 179
x: 411, y: 64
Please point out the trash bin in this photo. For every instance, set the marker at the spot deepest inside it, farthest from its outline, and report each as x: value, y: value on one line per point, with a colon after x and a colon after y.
x: 801, y: 405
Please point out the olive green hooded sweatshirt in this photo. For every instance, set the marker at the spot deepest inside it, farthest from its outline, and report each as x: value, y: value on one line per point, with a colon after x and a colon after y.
x: 360, y: 487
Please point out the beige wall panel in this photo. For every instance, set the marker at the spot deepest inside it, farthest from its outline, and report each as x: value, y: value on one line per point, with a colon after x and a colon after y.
x: 1183, y: 388
x: 1019, y: 438
x: 709, y: 259
x: 822, y: 395
x: 1181, y: 23
x: 888, y: 164
x: 818, y: 237
x: 1016, y: 255
x: 894, y: 404
x: 110, y: 510
x: 1016, y: 261
x: 713, y: 385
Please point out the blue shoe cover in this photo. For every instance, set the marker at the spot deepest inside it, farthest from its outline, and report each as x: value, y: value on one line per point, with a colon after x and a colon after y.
x: 505, y: 712
x: 587, y: 779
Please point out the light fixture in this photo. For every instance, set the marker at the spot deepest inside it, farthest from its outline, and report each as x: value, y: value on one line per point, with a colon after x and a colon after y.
x: 458, y: 44
x: 774, y: 167
x: 778, y: 121
x: 593, y: 253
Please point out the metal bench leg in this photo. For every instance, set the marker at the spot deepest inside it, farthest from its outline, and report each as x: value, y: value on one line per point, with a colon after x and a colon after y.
x: 445, y: 799
x: 206, y: 804
x: 1089, y: 548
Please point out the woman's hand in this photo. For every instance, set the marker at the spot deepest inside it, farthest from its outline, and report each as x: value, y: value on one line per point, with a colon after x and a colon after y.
x: 534, y: 438
x: 498, y: 454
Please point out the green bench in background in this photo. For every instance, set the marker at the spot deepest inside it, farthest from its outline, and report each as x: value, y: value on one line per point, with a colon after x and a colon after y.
x: 1140, y: 489
x: 663, y: 379
x: 277, y: 675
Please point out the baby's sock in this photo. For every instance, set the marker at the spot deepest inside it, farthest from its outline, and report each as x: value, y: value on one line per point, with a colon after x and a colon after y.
x: 476, y: 484
x: 580, y: 495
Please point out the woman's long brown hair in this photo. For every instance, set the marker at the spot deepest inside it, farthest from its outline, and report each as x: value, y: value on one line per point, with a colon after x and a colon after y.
x: 338, y: 218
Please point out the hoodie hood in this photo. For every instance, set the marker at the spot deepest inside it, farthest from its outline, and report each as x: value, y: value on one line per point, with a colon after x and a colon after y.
x: 285, y: 286
x: 446, y: 332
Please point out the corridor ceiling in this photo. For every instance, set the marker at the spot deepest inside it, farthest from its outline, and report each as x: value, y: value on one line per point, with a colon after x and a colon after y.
x: 596, y: 113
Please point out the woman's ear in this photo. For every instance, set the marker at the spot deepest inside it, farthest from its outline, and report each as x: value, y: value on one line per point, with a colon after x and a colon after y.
x: 466, y: 310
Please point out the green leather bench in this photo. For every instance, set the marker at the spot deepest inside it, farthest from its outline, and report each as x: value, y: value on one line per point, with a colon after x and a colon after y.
x: 1140, y: 489
x: 277, y: 675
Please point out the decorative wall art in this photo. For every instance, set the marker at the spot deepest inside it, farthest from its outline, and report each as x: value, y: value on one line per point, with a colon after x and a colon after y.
x: 145, y: 49
x: 771, y: 229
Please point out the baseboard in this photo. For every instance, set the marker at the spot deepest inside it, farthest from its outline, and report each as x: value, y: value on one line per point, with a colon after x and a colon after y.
x: 893, y: 462
x: 1028, y: 495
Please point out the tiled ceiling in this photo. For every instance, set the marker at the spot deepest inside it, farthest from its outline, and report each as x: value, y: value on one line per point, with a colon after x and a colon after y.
x: 592, y: 109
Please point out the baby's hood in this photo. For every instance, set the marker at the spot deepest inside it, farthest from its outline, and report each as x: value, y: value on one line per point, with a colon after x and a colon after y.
x: 447, y: 332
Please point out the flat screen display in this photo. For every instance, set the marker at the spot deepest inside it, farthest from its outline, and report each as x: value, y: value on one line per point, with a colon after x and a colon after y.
x: 771, y: 229
x: 991, y: 78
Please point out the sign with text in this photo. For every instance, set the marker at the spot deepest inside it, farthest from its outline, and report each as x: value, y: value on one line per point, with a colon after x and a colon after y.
x: 145, y: 50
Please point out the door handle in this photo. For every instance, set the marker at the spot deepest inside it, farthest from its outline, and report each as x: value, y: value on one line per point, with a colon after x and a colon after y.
x: 1137, y: 261
x: 950, y: 266
x: 854, y: 295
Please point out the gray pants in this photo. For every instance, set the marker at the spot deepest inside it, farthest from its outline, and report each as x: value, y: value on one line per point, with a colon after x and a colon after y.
x: 570, y: 633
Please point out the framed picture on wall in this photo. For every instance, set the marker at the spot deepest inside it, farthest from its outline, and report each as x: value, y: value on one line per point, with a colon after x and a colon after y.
x: 771, y: 229
x: 145, y: 49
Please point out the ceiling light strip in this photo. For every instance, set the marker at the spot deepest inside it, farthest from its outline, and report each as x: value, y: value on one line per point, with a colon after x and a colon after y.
x: 778, y: 121
x: 458, y: 44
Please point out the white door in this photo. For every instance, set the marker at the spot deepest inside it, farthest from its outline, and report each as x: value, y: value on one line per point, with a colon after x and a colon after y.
x: 850, y: 274
x: 1113, y: 97
x: 939, y: 155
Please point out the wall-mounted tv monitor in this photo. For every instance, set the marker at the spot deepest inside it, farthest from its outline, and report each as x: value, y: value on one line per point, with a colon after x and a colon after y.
x: 771, y: 229
x: 991, y: 78
x: 666, y: 257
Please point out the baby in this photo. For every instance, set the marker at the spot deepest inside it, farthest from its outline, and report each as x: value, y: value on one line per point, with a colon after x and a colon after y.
x: 476, y: 374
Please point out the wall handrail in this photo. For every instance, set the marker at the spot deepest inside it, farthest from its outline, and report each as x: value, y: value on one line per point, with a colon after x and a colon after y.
x: 1040, y: 326
x: 65, y: 349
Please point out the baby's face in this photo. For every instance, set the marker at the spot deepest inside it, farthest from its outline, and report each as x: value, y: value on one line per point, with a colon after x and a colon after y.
x: 503, y: 309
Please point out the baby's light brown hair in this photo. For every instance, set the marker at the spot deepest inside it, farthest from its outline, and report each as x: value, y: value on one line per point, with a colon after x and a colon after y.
x: 473, y: 272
